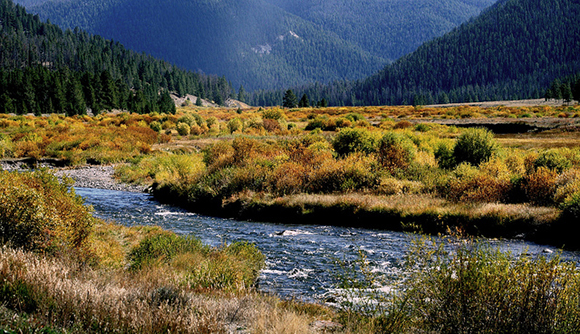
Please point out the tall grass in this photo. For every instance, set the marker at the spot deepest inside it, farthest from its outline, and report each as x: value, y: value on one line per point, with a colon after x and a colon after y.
x: 470, y: 287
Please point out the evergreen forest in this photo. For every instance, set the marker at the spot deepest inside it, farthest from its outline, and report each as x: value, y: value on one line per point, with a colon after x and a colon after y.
x: 267, y: 44
x: 44, y: 69
x: 513, y: 50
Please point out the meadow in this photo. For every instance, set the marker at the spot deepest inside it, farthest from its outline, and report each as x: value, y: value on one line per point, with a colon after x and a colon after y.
x: 63, y: 271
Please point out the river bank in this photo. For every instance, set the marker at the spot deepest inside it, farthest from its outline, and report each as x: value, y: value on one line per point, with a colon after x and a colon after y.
x: 87, y: 176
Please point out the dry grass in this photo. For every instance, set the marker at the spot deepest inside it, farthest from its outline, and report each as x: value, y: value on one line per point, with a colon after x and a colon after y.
x: 61, y: 294
x: 540, y: 141
x: 417, y: 204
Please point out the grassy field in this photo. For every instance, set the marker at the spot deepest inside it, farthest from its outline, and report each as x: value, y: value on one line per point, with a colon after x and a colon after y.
x: 382, y: 167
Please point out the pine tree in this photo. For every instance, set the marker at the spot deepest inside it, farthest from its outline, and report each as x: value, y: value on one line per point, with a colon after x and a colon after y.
x: 166, y: 104
x: 75, y: 102
x: 289, y: 100
x: 566, y: 92
x: 304, y: 103
x: 242, y: 94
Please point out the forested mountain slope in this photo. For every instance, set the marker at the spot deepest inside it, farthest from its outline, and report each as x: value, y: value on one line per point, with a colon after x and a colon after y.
x: 44, y: 69
x: 513, y: 50
x: 267, y: 43
x: 386, y: 28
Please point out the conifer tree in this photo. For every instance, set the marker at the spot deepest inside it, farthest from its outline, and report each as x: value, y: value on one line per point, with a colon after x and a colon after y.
x: 304, y: 103
x: 242, y: 94
x: 289, y: 100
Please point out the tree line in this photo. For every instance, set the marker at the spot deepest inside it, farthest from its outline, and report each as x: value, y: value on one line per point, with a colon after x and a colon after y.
x: 41, y: 63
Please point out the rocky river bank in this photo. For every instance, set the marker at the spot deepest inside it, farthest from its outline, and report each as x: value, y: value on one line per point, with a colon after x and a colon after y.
x: 90, y: 176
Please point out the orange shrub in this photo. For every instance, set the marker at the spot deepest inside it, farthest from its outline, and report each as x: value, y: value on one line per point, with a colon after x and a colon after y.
x: 480, y: 188
x: 271, y: 125
x: 540, y: 186
x: 288, y: 178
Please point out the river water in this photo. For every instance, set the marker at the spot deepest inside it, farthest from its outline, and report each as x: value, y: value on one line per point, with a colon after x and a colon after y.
x: 300, y: 259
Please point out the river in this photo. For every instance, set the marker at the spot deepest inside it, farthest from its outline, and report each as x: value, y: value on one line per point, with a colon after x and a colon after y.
x: 300, y: 259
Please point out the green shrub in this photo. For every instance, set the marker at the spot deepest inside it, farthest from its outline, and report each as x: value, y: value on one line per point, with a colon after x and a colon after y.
x: 552, y: 159
x: 273, y: 114
x: 6, y: 147
x: 231, y: 267
x: 354, y: 140
x: 355, y: 117
x: 156, y: 126
x: 322, y: 123
x: 444, y: 156
x: 187, y: 119
x: 474, y: 146
x: 422, y: 127
x: 163, y: 248
x: 571, y: 209
x: 183, y: 129
x: 235, y: 125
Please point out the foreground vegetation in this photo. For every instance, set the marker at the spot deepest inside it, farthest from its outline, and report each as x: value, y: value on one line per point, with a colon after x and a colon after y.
x: 63, y: 271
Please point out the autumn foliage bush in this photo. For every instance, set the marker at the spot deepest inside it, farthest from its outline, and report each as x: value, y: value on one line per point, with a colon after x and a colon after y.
x: 40, y: 213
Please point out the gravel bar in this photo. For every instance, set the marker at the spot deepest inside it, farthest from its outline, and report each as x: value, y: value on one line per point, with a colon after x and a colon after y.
x: 100, y: 177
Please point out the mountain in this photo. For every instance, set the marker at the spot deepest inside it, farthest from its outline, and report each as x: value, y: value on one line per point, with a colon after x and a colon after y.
x: 44, y: 69
x: 264, y: 44
x: 386, y: 28
x: 513, y: 50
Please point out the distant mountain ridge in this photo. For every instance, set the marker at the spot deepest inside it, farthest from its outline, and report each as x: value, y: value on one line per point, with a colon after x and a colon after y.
x: 512, y: 51
x: 262, y: 44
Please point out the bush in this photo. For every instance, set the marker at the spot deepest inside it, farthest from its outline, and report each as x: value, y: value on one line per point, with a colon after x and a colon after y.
x: 235, y: 125
x: 273, y: 114
x: 571, y: 209
x: 540, y: 186
x: 396, y: 152
x: 474, y: 146
x: 354, y: 140
x: 218, y: 155
x: 422, y: 127
x: 479, y: 289
x: 187, y: 119
x: 37, y: 212
x: 271, y: 125
x: 552, y: 159
x: 162, y: 248
x: 322, y: 123
x: 355, y: 172
x: 232, y: 267
x: 444, y: 156
x: 183, y: 129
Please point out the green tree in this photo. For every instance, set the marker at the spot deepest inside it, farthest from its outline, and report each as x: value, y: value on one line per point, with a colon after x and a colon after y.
x: 289, y: 100
x: 108, y: 92
x: 75, y: 102
x: 166, y: 103
x: 304, y: 103
x: 242, y: 94
x: 566, y: 92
